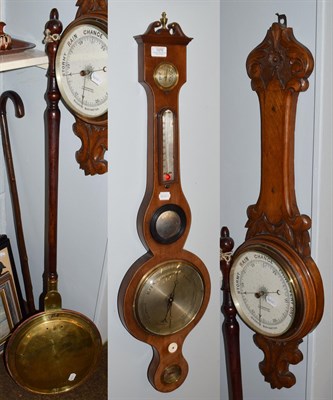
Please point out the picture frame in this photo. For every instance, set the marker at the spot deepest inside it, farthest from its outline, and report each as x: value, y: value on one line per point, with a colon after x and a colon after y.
x: 10, y: 311
x: 7, y: 264
x: 11, y: 300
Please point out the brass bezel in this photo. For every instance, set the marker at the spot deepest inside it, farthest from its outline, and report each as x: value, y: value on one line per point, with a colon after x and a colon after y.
x: 286, y: 265
x: 149, y: 274
x: 162, y: 65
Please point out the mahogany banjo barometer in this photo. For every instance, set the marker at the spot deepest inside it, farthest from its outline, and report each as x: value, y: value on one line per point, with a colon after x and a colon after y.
x: 81, y: 73
x: 165, y: 292
x: 275, y: 284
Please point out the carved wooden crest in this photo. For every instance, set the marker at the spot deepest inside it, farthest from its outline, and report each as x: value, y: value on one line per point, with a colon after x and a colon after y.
x: 91, y: 6
x: 279, y: 68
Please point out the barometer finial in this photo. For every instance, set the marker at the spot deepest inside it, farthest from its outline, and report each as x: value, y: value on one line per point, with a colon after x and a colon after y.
x: 282, y: 19
x: 164, y: 20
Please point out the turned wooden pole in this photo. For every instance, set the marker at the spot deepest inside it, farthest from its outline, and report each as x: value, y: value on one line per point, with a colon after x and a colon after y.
x: 53, y: 30
x: 230, y: 326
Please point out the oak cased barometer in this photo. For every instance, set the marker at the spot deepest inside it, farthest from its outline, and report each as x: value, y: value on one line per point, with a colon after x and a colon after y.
x: 275, y: 284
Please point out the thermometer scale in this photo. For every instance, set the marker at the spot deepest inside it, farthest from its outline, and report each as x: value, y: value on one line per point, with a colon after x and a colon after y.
x: 168, y: 166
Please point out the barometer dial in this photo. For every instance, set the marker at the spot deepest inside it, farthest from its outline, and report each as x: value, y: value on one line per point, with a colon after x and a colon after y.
x: 169, y: 297
x: 81, y: 69
x: 263, y: 293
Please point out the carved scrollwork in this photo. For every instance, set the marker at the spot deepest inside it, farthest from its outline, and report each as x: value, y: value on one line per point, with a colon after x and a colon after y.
x: 91, y: 6
x: 161, y: 28
x: 278, y: 356
x: 293, y: 230
x: 280, y: 57
x: 94, y: 144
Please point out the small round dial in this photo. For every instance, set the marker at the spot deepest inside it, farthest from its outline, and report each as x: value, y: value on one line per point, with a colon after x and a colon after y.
x: 166, y: 76
x: 168, y: 223
x: 169, y: 297
x: 263, y: 293
x: 81, y: 69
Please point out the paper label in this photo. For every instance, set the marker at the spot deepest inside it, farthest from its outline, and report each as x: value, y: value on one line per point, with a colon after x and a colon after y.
x: 164, y: 195
x: 72, y: 376
x: 270, y: 300
x: 158, y: 51
x: 96, y: 78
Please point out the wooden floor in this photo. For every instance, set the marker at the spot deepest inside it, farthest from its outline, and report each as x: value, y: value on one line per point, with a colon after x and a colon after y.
x: 93, y: 389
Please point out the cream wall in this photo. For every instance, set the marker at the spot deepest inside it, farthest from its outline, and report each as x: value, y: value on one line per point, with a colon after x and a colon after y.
x: 320, y: 365
x: 220, y: 176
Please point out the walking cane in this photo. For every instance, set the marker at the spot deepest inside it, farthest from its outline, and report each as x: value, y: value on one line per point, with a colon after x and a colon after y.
x: 19, y: 113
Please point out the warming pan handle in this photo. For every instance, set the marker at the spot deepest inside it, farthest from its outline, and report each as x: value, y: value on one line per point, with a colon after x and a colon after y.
x: 53, y: 129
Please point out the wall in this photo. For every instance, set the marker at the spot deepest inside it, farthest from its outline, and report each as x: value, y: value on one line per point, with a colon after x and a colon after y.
x: 83, y: 200
x: 2, y: 172
x: 243, y: 26
x: 320, y: 366
x: 199, y: 136
x: 82, y: 232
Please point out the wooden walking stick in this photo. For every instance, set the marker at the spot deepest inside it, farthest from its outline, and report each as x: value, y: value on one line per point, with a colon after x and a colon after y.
x: 19, y: 112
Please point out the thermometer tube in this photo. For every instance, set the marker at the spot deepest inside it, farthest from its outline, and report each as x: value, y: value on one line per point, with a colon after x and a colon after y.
x: 168, y: 146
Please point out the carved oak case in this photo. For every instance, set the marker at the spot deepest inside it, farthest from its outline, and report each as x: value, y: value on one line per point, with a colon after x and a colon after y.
x: 276, y: 231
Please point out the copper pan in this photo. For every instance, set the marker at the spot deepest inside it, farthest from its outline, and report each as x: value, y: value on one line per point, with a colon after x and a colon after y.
x: 55, y: 350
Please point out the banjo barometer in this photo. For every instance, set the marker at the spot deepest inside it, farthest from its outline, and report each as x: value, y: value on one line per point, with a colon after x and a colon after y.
x: 165, y: 292
x: 275, y: 284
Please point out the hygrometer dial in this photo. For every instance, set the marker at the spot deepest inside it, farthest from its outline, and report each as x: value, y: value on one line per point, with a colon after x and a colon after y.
x: 166, y: 76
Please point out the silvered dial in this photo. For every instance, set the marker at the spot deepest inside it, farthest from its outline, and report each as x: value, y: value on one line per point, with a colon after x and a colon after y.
x: 169, y: 297
x: 81, y: 69
x: 263, y: 293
